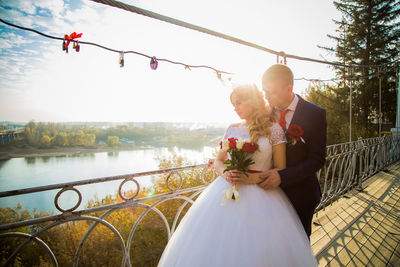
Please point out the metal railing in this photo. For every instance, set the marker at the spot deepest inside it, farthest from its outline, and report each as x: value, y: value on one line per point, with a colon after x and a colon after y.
x: 347, y: 166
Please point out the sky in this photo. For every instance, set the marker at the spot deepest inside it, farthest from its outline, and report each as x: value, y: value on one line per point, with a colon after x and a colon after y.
x: 39, y: 81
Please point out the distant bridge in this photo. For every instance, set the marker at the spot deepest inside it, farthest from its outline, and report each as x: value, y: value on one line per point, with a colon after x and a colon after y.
x: 8, y: 136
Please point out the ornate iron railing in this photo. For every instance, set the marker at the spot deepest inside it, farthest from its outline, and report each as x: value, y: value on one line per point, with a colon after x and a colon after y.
x: 347, y: 166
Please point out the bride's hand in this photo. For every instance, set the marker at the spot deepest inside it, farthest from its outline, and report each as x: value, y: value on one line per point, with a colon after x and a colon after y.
x: 236, y: 177
x: 227, y: 177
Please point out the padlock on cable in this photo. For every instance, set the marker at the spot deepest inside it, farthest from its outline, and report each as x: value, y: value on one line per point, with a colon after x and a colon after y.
x: 121, y: 59
x: 77, y: 47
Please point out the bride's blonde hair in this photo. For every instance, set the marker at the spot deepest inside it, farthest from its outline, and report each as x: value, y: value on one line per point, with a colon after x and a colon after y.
x: 261, y: 120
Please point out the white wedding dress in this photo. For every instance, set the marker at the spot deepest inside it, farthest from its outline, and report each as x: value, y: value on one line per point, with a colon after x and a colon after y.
x: 261, y: 229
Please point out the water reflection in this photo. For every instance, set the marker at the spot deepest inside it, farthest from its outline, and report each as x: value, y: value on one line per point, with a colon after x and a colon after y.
x: 45, y: 159
x: 113, y: 154
x: 30, y: 160
x: 2, y: 162
x: 59, y: 158
x: 81, y: 155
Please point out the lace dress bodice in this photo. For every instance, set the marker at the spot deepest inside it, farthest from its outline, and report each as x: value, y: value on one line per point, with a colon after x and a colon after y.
x: 263, y: 156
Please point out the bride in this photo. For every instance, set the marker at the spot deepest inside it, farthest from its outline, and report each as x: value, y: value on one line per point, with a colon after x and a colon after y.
x: 260, y: 228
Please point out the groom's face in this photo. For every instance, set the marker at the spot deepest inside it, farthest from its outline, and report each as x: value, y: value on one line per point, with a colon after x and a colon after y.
x: 278, y: 93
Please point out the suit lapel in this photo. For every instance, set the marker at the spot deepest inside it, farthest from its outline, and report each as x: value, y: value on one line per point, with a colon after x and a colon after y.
x: 297, y: 118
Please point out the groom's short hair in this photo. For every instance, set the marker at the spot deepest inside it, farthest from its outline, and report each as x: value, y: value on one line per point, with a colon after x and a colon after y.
x: 278, y: 72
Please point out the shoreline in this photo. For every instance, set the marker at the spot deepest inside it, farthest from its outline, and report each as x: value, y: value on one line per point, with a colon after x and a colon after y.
x: 52, y: 152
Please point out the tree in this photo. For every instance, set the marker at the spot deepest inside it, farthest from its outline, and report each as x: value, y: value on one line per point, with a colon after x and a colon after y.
x: 45, y: 141
x: 90, y: 139
x: 31, y: 124
x: 171, y: 139
x: 113, y: 140
x: 77, y: 138
x: 61, y: 139
x: 367, y: 34
x: 337, y: 112
x: 32, y: 137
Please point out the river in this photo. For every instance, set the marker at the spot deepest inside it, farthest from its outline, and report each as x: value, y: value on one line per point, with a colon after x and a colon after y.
x: 17, y: 173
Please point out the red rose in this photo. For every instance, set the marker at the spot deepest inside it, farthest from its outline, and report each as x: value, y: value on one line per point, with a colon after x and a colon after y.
x: 220, y: 145
x: 295, y: 132
x: 232, y: 142
x: 249, y: 147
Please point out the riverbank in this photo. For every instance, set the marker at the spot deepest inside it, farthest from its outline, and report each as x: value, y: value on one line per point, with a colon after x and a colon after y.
x: 13, y: 152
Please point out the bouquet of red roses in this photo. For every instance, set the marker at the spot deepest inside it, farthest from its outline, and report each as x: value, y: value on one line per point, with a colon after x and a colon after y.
x: 240, y: 152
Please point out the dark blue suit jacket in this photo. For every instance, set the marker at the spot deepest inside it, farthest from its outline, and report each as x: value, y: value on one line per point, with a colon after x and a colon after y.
x: 299, y: 180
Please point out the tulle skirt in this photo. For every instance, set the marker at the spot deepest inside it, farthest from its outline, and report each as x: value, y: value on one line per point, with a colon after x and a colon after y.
x: 261, y: 229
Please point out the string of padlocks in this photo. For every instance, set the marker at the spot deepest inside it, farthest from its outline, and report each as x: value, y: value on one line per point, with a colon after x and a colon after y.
x: 154, y: 61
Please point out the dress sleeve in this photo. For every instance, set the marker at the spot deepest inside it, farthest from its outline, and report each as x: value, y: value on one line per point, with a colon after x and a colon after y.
x: 227, y: 132
x: 277, y: 135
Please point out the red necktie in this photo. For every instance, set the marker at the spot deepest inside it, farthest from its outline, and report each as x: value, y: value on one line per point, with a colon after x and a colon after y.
x: 282, y: 120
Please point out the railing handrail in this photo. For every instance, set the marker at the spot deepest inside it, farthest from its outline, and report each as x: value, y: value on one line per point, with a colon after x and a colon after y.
x: 92, y: 181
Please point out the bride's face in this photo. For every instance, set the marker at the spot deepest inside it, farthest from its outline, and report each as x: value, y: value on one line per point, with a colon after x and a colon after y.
x: 242, y: 108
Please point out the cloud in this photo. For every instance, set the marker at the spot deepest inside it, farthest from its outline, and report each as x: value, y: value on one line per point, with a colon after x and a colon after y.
x: 15, y: 16
x: 21, y: 51
x: 12, y: 40
x: 5, y: 44
x: 24, y: 6
x: 56, y: 7
x: 46, y: 14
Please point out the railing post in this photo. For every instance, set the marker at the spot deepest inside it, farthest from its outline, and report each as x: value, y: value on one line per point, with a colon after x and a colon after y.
x: 359, y: 151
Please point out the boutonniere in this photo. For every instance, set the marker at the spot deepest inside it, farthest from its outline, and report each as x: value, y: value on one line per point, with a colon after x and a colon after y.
x: 294, y: 133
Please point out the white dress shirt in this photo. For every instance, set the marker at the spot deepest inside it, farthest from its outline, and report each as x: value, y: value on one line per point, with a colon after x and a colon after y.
x: 291, y: 108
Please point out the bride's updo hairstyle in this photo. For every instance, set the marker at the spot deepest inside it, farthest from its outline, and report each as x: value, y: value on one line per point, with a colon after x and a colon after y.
x: 260, y: 121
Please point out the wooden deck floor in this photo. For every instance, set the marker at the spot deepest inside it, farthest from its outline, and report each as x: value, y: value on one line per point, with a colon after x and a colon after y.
x: 362, y: 228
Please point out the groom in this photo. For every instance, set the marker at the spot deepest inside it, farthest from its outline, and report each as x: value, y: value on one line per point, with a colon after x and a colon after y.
x: 305, y: 126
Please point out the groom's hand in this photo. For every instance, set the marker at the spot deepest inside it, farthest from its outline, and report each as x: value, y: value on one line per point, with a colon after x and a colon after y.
x: 272, y: 179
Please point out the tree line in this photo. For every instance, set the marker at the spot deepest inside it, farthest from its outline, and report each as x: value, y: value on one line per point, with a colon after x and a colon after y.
x: 48, y: 135
x: 43, y: 135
